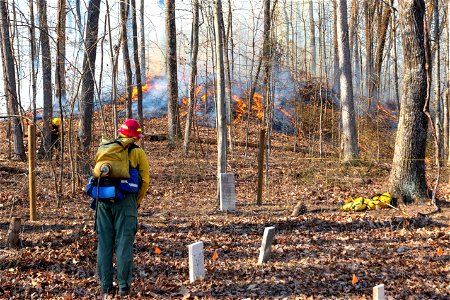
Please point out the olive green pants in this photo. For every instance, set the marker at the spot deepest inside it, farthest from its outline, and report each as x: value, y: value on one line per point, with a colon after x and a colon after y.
x: 116, y: 227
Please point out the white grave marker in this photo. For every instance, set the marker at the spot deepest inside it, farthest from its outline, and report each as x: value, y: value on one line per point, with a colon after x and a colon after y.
x: 227, y: 192
x: 378, y: 292
x: 266, y: 245
x: 196, y: 261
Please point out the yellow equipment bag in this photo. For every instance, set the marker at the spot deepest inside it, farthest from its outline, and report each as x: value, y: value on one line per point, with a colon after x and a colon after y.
x: 361, y: 204
x: 114, y: 155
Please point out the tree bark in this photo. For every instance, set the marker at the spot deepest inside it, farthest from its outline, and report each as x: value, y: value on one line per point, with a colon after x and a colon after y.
x: 142, y: 38
x: 370, y: 8
x: 447, y: 95
x: 312, y: 37
x: 348, y: 137
x: 87, y: 85
x: 33, y: 58
x: 407, y: 178
x: 9, y: 77
x: 381, y: 42
x: 137, y: 66
x: 264, y: 131
x: 171, y: 55
x: 437, y: 83
x: 124, y: 9
x: 192, y: 82
x: 60, y: 82
x: 336, y: 70
x: 220, y: 95
x: 46, y: 80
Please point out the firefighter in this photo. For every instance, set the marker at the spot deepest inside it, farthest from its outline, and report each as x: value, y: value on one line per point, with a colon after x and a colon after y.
x: 116, y: 221
x: 56, y: 134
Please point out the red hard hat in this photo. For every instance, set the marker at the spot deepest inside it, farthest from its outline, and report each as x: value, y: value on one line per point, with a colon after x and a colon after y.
x: 131, y: 128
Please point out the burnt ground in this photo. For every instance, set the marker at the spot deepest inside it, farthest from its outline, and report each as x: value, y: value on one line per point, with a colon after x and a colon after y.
x: 315, y: 255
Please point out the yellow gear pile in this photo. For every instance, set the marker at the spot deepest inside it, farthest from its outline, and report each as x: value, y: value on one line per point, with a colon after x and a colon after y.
x: 361, y: 203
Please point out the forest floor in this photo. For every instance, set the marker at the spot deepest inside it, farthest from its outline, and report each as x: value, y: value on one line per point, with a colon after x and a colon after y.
x: 316, y: 255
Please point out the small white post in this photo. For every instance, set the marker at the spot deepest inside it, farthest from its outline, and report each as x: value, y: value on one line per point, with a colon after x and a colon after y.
x: 266, y: 245
x: 378, y: 292
x: 196, y: 261
x: 227, y: 192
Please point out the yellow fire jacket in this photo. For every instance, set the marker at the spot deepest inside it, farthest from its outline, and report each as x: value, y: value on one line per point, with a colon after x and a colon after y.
x: 138, y: 160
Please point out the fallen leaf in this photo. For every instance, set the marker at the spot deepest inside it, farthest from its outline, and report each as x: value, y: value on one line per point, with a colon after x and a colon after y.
x: 440, y: 251
x: 157, y: 250
x: 354, y: 279
x: 215, y: 255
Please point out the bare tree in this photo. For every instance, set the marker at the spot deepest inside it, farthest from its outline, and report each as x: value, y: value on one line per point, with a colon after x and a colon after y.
x: 33, y: 58
x: 381, y: 41
x: 220, y: 94
x: 171, y: 50
x: 312, y: 37
x: 407, y: 178
x: 437, y: 84
x: 137, y: 65
x: 336, y: 70
x: 142, y: 40
x: 348, y: 137
x: 87, y: 85
x: 267, y: 103
x: 46, y: 79
x: 124, y: 9
x: 447, y: 96
x: 370, y: 8
x: 10, y: 81
x: 192, y: 82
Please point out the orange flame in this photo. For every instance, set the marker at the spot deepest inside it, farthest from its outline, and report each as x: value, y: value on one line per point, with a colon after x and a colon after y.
x: 198, y: 89
x: 184, y: 106
x: 240, y: 108
x: 258, y: 105
x: 388, y: 114
x: 288, y: 115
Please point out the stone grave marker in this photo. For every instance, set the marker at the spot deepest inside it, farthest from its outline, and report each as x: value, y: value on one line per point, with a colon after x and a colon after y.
x: 266, y: 245
x: 378, y: 292
x: 227, y: 192
x: 196, y: 261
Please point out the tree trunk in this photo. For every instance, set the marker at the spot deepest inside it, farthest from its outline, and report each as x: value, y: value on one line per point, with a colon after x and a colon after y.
x: 394, y: 41
x: 447, y: 96
x: 137, y: 66
x: 407, y: 179
x: 33, y: 58
x: 369, y: 16
x: 336, y: 71
x: 124, y: 9
x: 60, y: 73
x: 227, y: 71
x: 266, y: 94
x: 87, y: 85
x: 437, y: 84
x: 60, y: 84
x: 192, y: 82
x: 46, y: 80
x: 142, y: 38
x: 171, y: 56
x: 220, y: 95
x: 381, y: 42
x: 114, y: 63
x: 312, y: 38
x: 9, y: 77
x: 348, y: 138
